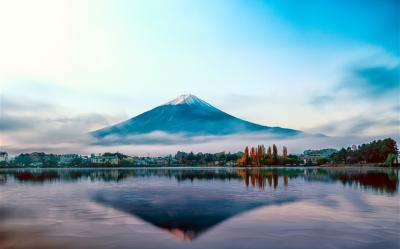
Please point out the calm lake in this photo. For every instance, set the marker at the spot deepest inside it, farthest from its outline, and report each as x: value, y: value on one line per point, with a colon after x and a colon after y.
x: 200, y: 208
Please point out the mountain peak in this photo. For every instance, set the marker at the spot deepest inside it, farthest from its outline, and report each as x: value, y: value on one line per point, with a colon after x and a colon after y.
x: 183, y: 99
x: 189, y: 99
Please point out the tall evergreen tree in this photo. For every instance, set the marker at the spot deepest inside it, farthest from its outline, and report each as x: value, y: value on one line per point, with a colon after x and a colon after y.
x: 253, y: 156
x: 268, y: 156
x: 274, y: 154
x: 259, y: 155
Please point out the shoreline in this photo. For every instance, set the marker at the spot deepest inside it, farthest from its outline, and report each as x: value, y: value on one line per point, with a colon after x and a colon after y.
x: 214, y: 167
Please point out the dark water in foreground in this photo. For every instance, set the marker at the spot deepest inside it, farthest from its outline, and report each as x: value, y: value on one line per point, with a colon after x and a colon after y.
x: 200, y: 208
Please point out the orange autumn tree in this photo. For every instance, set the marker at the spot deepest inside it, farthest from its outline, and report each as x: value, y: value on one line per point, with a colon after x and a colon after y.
x: 253, y: 156
x: 244, y: 160
x: 246, y: 152
x: 274, y: 154
x: 269, y: 155
x: 259, y: 155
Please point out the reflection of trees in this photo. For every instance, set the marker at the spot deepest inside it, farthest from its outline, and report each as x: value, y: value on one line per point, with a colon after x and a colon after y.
x: 383, y: 180
x: 260, y: 177
x: 378, y: 181
x: 45, y: 176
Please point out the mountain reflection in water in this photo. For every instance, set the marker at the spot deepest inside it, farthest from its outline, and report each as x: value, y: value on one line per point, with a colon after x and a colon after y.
x: 184, y: 214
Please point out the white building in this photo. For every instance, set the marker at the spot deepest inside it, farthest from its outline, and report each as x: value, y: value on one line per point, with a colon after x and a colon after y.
x: 314, y: 155
x: 67, y: 158
x: 99, y: 159
x: 3, y: 156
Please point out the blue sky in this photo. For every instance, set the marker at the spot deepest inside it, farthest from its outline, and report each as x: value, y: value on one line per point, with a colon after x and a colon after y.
x: 330, y: 67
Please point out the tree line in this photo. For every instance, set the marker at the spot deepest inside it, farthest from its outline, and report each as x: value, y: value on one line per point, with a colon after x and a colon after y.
x: 261, y: 156
x: 380, y: 151
x: 200, y: 158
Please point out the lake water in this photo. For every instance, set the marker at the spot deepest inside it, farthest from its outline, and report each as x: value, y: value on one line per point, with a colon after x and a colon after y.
x: 200, y: 208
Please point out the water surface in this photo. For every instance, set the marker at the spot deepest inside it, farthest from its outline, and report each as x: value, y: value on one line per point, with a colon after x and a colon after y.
x: 199, y: 208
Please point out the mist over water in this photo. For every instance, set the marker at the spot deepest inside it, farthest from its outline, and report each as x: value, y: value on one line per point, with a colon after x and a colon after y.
x: 199, y: 208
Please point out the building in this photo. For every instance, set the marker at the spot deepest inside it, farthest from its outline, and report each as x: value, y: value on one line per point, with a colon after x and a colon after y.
x: 67, y: 158
x: 99, y: 159
x: 312, y: 156
x: 231, y: 163
x: 141, y: 162
x: 3, y: 156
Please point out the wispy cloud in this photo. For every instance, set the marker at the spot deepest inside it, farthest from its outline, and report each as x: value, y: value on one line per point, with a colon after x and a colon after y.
x: 362, y: 82
x: 321, y: 100
x: 363, y: 101
x: 232, y: 143
x: 163, y: 138
x: 27, y: 125
x: 15, y: 123
x: 21, y: 105
x: 359, y: 126
x: 372, y: 81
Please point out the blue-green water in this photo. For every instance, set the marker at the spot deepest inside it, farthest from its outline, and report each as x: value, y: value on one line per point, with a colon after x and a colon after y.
x: 200, y: 208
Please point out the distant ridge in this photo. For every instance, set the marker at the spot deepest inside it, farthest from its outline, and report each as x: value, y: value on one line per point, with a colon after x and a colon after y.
x: 191, y: 116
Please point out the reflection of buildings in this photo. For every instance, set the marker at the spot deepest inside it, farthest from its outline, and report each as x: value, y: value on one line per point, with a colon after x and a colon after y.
x: 3, y: 178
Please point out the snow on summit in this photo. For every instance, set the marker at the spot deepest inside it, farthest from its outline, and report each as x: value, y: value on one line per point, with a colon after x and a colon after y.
x: 189, y: 99
x: 183, y: 99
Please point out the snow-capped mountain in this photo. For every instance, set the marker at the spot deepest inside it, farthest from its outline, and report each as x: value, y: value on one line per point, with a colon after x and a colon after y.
x: 189, y: 99
x: 189, y: 115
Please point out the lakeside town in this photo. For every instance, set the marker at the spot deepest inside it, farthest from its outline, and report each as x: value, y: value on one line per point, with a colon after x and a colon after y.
x: 381, y: 153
